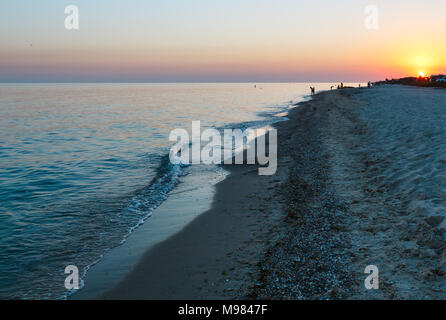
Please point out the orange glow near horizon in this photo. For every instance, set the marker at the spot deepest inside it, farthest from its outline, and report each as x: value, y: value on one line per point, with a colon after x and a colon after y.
x: 222, y: 41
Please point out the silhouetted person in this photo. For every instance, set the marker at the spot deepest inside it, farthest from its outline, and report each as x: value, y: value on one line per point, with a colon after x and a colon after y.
x: 312, y: 90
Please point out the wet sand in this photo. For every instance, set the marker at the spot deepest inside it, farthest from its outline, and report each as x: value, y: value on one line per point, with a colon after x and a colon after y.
x: 332, y: 209
x: 215, y: 256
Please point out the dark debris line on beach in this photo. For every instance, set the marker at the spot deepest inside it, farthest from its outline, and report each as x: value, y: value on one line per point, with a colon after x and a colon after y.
x: 309, y: 262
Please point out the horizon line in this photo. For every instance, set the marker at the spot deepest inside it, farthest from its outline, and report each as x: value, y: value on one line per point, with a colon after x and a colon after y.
x: 173, y: 82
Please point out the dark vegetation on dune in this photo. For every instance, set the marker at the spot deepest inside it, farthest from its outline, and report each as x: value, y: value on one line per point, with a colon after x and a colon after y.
x: 429, y: 82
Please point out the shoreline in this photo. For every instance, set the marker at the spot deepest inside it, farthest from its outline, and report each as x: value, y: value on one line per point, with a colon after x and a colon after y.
x: 193, y: 196
x: 164, y: 223
x: 217, y: 254
x: 212, y: 257
x: 309, y: 231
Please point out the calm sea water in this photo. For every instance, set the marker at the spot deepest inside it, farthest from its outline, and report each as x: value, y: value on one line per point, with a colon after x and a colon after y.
x: 82, y: 165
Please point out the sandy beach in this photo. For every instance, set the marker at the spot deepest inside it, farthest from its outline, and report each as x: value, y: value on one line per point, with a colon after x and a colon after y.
x: 360, y: 182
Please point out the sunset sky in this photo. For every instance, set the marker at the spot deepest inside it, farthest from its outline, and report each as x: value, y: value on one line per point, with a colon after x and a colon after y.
x: 210, y: 40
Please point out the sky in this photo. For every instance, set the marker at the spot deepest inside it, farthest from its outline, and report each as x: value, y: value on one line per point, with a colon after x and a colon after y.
x: 220, y: 40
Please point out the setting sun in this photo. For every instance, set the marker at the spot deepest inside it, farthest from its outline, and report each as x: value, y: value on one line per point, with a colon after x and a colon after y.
x: 421, y: 74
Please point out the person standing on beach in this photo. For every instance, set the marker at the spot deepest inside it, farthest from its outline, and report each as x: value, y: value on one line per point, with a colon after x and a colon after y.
x: 312, y: 90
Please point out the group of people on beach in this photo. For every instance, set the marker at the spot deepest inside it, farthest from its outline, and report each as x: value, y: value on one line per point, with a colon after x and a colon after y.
x: 339, y: 86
